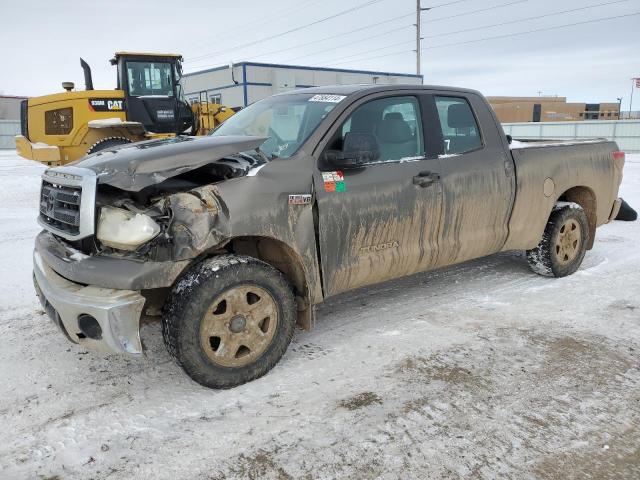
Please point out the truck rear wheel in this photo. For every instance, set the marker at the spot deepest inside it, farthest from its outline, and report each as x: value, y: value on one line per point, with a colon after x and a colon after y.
x: 229, y: 320
x: 563, y: 244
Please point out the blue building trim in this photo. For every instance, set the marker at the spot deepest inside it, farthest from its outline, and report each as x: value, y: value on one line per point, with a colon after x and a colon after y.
x: 243, y: 84
x: 214, y: 69
x: 217, y: 88
x: 244, y: 65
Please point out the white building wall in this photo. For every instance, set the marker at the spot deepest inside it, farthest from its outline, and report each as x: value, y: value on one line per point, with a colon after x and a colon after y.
x: 10, y: 107
x: 8, y: 130
x: 263, y: 80
x: 221, y: 86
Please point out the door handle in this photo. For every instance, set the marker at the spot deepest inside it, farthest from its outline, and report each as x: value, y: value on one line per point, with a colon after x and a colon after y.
x: 424, y: 179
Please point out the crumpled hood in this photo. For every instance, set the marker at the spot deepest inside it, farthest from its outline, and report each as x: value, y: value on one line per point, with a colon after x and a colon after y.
x: 139, y: 165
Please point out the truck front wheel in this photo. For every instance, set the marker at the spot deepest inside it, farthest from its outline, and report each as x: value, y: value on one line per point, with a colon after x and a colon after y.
x: 564, y: 242
x: 229, y: 320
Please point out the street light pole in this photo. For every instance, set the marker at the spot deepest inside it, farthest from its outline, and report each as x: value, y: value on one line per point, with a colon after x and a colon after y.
x: 619, y: 108
x: 633, y: 84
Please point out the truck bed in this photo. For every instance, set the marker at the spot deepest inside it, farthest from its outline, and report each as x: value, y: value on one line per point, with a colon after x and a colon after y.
x: 546, y: 170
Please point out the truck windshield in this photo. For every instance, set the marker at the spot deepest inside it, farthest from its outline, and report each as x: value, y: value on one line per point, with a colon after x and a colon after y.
x: 287, y: 121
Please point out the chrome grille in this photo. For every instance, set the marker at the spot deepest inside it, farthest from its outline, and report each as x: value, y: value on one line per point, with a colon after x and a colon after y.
x: 60, y: 207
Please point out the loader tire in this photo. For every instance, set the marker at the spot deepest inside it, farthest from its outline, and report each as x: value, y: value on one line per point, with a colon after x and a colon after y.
x: 229, y: 320
x: 564, y: 242
x: 106, y: 143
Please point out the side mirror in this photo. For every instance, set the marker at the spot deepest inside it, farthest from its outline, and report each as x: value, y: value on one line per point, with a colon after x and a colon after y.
x: 357, y: 149
x: 509, y: 139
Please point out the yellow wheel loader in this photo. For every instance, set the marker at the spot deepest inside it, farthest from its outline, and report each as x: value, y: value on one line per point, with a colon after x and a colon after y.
x: 147, y: 103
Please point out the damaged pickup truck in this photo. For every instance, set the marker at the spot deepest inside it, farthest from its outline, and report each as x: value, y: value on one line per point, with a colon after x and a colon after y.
x: 234, y: 237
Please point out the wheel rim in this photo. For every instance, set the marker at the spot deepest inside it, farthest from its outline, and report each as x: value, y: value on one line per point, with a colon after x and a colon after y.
x: 239, y: 325
x: 568, y: 242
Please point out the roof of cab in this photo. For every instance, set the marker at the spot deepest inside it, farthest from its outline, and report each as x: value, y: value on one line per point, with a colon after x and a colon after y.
x: 370, y: 88
x: 146, y: 54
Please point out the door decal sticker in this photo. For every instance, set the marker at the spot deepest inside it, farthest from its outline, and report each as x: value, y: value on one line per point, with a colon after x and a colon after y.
x: 334, y: 181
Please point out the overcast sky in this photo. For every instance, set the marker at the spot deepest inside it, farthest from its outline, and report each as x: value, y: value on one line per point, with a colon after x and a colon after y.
x: 41, y: 40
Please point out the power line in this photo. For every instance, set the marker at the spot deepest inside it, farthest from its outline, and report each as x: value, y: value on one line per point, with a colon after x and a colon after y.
x: 279, y: 13
x: 271, y: 37
x: 331, y: 37
x: 409, y: 15
x: 262, y: 21
x: 366, y: 27
x: 351, y: 43
x: 432, y: 47
x: 471, y: 12
x: 445, y: 4
x: 526, y: 19
x: 457, y: 31
x: 375, y: 49
x: 545, y: 29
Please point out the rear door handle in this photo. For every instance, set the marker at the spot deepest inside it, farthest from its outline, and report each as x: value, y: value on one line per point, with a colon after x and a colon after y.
x: 424, y: 179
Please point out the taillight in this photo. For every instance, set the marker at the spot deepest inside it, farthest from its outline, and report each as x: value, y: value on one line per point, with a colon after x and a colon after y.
x: 617, y: 155
x: 618, y: 162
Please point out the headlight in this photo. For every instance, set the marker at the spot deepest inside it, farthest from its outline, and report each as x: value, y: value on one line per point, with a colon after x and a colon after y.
x: 119, y: 228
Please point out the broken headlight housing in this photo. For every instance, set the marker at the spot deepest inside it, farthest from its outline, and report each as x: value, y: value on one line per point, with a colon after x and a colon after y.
x: 125, y: 230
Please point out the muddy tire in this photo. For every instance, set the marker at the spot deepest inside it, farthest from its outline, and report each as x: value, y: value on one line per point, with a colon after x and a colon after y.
x: 107, y: 143
x: 564, y: 242
x: 229, y: 320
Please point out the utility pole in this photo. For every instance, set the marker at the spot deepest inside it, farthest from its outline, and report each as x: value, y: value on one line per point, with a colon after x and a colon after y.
x: 419, y: 9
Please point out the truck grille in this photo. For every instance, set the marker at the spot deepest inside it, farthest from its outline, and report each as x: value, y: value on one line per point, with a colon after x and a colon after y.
x: 60, y: 207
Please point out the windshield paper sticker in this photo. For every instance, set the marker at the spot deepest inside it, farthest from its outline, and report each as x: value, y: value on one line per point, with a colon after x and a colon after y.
x: 327, y: 98
x: 334, y: 181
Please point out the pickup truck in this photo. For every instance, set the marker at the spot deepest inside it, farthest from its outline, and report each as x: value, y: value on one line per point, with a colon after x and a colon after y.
x: 234, y: 237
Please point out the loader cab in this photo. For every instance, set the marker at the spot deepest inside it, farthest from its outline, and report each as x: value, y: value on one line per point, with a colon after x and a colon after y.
x: 152, y: 91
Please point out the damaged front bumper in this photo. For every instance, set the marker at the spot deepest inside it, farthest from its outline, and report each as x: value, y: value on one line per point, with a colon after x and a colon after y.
x: 102, y: 319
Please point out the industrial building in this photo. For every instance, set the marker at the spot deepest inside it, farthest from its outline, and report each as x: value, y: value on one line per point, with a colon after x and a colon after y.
x: 550, y: 109
x: 247, y: 82
x: 10, y: 107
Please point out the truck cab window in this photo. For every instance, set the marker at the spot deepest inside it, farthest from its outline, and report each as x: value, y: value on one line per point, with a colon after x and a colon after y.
x: 393, y: 122
x: 150, y: 78
x: 460, y: 132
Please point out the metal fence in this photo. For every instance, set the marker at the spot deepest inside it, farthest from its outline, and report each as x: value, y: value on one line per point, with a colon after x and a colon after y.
x: 8, y: 130
x: 626, y: 133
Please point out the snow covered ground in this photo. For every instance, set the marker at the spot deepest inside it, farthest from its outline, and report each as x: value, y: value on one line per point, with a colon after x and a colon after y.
x: 483, y: 370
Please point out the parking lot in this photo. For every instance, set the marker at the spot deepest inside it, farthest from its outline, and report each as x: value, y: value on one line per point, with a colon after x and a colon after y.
x: 481, y: 370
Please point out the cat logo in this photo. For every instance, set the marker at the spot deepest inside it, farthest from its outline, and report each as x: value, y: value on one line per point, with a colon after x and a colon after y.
x: 114, y: 104
x: 379, y: 247
x: 106, y: 105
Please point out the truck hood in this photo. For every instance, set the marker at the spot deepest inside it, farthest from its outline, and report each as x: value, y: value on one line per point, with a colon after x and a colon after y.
x: 140, y: 165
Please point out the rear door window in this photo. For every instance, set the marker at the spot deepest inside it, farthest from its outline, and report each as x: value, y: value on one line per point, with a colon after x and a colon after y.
x: 460, y: 132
